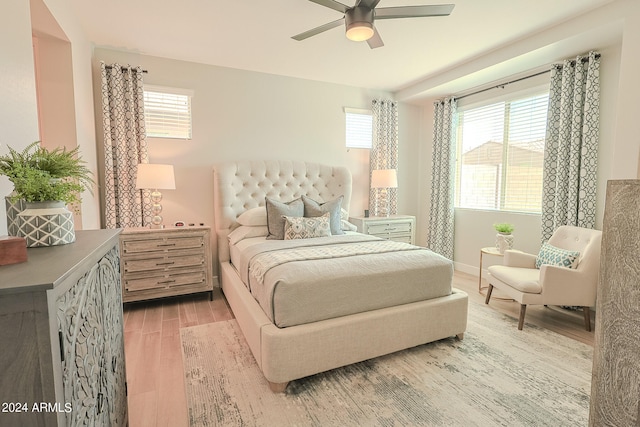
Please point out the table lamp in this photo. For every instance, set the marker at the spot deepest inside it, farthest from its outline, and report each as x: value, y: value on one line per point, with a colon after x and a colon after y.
x: 155, y: 177
x: 383, y: 179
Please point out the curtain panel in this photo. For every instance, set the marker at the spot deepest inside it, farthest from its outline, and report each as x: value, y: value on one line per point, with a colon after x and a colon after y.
x: 441, y: 228
x: 571, y: 147
x: 384, y: 152
x: 125, y: 146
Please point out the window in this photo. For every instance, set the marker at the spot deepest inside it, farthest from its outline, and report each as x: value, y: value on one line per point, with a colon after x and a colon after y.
x: 500, y: 155
x: 167, y: 112
x: 359, y: 128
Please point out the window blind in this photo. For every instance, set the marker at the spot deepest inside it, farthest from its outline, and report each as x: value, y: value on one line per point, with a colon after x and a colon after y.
x: 500, y: 155
x: 359, y: 128
x: 167, y: 112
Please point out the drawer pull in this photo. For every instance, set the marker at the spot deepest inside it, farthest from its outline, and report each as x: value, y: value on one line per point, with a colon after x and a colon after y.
x: 165, y: 263
x: 390, y: 229
x: 166, y: 281
x: 166, y: 244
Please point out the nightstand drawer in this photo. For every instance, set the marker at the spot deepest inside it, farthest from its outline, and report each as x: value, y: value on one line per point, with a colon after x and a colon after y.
x: 400, y: 228
x: 165, y: 281
x: 389, y: 228
x: 163, y: 263
x: 135, y: 246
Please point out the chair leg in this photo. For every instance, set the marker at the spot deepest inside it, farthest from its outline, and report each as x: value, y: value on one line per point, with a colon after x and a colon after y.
x: 587, y: 318
x: 523, y: 310
x: 486, y: 300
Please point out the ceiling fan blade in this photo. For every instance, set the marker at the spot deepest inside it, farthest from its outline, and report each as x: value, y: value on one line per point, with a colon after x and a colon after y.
x: 318, y: 30
x: 331, y: 4
x: 370, y: 4
x: 375, y: 40
x: 414, y: 11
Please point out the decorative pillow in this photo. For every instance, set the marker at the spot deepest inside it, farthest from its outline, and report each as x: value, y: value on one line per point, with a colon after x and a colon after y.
x: 253, y: 217
x: 345, y: 225
x: 275, y: 212
x: 551, y: 255
x: 306, y: 228
x: 245, y: 232
x: 315, y: 209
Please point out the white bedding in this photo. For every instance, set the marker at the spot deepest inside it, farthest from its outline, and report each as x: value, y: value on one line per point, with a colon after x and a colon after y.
x: 306, y: 291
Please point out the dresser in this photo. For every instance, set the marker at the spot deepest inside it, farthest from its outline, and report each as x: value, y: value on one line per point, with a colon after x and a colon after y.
x: 616, y: 354
x: 165, y: 262
x: 61, y: 329
x: 400, y: 228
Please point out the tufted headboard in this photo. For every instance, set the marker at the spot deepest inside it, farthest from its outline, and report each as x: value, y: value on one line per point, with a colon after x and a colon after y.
x: 240, y: 186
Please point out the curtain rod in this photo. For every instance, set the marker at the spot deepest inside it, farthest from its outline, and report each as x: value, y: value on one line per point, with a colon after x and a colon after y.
x: 108, y: 67
x: 502, y: 85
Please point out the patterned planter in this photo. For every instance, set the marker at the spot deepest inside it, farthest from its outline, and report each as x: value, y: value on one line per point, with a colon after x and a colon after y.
x: 46, y: 224
x: 504, y: 242
x: 13, y: 209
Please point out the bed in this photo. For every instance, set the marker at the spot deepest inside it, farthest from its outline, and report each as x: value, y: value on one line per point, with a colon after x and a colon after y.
x: 322, y: 321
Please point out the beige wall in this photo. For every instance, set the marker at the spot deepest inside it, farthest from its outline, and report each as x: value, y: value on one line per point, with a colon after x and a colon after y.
x: 18, y: 113
x: 244, y: 115
x: 617, y: 155
x: 18, y: 110
x: 626, y: 148
x: 81, y: 54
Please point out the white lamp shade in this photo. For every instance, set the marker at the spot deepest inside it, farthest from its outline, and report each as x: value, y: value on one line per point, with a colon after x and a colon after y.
x: 155, y: 176
x: 384, y: 178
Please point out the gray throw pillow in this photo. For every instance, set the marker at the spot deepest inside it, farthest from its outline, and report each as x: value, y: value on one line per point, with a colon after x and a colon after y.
x: 276, y: 211
x: 313, y: 209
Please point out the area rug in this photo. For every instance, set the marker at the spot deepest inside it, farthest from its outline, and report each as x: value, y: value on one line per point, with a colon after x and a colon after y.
x: 496, y: 376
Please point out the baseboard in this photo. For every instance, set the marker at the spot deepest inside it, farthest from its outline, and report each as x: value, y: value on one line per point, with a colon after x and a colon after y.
x: 469, y: 269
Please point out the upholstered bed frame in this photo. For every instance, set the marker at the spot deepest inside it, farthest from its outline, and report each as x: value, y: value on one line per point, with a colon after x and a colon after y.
x: 285, y: 354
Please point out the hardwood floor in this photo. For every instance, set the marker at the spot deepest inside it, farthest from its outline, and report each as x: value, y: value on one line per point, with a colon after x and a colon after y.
x: 154, y: 356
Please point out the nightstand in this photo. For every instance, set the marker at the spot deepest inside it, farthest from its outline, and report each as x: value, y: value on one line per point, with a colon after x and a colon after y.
x: 400, y: 228
x: 157, y: 263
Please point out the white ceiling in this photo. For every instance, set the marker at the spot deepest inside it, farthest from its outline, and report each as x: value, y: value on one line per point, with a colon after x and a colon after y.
x: 256, y: 35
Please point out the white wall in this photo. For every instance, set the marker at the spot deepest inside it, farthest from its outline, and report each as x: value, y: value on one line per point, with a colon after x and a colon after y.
x: 617, y: 155
x: 18, y: 112
x: 244, y: 115
x: 81, y: 54
x: 18, y: 109
x: 626, y: 148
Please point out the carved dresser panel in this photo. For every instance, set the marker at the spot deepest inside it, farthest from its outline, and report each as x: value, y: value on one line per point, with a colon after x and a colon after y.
x: 61, y: 320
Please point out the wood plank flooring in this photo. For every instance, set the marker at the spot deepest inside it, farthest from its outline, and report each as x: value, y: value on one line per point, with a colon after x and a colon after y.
x: 154, y: 356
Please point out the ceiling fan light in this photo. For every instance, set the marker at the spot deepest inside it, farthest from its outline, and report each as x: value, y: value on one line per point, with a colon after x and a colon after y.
x: 359, y: 31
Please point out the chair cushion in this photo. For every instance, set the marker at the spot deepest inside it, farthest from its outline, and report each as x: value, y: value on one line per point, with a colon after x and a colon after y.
x: 552, y: 255
x: 523, y: 279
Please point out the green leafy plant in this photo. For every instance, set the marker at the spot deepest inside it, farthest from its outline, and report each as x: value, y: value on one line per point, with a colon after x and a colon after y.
x: 40, y: 175
x: 504, y: 227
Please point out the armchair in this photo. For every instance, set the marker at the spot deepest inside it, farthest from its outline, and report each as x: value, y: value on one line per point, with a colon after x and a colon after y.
x: 519, y: 278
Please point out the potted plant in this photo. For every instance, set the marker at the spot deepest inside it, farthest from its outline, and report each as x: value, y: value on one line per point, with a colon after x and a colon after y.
x: 504, y: 238
x: 44, y: 182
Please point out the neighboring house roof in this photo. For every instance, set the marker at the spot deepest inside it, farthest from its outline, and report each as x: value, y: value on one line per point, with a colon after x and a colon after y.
x: 520, y: 153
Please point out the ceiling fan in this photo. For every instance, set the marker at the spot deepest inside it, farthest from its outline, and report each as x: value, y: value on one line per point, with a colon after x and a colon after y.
x: 359, y: 18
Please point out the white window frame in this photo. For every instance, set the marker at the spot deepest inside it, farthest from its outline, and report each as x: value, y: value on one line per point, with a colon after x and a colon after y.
x: 177, y: 123
x: 501, y: 203
x: 358, y: 133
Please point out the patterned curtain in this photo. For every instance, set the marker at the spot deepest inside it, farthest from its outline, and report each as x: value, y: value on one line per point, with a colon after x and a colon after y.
x: 384, y: 153
x: 571, y: 148
x: 442, y: 178
x: 125, y: 146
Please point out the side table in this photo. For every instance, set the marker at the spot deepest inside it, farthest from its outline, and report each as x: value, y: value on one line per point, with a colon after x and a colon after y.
x: 490, y: 250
